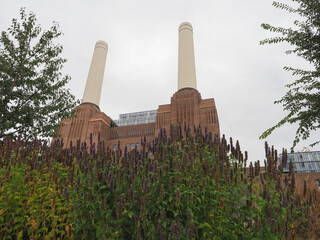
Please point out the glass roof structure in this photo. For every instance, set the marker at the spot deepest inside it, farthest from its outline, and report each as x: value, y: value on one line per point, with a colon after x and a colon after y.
x: 303, y: 162
x: 136, y: 118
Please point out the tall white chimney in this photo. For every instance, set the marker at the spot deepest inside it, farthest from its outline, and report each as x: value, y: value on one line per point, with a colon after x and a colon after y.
x: 93, y: 88
x: 186, y: 63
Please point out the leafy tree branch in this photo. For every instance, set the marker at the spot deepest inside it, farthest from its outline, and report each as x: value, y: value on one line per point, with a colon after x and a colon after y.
x: 33, y: 94
x: 302, y: 101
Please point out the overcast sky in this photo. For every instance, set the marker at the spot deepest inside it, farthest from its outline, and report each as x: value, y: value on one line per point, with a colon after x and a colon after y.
x: 243, y: 77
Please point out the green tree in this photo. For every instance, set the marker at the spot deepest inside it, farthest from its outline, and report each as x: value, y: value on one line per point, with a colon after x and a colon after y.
x: 33, y: 97
x: 302, y: 101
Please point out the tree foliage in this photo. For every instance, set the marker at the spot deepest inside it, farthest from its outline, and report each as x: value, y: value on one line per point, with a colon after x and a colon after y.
x: 302, y: 101
x: 33, y: 97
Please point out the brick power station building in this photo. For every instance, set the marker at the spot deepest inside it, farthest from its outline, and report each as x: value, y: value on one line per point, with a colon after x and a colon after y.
x: 186, y: 105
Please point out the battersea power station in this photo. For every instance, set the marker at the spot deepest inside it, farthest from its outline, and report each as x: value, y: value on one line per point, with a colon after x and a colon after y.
x: 185, y: 108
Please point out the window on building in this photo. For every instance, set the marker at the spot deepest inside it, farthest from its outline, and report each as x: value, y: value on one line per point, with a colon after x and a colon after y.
x: 114, y: 147
x: 318, y: 183
x: 128, y: 145
x: 132, y: 145
x: 138, y: 145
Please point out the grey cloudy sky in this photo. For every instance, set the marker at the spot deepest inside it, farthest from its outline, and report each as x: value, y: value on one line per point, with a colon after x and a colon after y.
x: 141, y: 70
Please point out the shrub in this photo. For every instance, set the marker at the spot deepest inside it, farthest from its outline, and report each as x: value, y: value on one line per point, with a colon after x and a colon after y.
x: 33, y: 199
x: 184, y: 185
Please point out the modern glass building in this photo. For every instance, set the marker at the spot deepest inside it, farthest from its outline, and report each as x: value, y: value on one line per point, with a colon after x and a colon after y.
x: 136, y: 118
x: 303, y: 162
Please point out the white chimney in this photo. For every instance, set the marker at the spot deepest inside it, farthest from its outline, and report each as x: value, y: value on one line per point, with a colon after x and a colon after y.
x: 186, y: 63
x: 93, y: 88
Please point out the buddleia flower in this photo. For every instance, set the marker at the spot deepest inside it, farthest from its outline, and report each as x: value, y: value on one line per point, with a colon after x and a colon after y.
x: 178, y: 197
x: 175, y: 229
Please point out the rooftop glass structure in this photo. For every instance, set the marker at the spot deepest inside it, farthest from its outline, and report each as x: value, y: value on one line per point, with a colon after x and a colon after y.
x: 136, y: 118
x: 303, y: 162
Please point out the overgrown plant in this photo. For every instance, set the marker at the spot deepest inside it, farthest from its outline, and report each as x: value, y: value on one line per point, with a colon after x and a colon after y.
x: 33, y: 186
x: 186, y: 184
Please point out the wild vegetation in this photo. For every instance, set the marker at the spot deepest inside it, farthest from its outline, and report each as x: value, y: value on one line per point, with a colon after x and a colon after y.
x: 186, y: 184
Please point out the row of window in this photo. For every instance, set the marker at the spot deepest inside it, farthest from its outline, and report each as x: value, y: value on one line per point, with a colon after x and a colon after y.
x: 304, y: 167
x: 128, y: 145
x: 303, y: 161
x: 138, y: 114
x: 304, y: 157
x: 141, y: 115
x: 318, y: 183
x: 136, y: 118
x: 134, y: 121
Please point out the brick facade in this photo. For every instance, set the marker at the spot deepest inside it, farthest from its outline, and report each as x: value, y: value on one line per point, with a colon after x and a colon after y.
x: 187, y: 107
